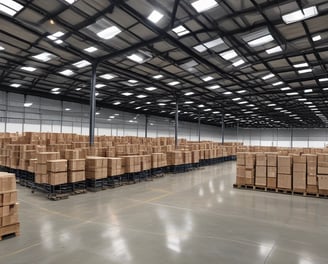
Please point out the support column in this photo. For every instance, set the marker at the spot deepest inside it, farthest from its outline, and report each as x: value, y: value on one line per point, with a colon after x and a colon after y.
x: 23, y: 123
x: 176, y: 122
x: 6, y: 113
x: 237, y: 130
x: 198, y: 127
x: 146, y: 126
x: 92, y: 116
x: 222, y: 129
x: 291, y: 137
x: 61, y: 116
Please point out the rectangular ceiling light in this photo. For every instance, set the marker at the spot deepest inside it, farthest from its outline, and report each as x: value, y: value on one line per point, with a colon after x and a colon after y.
x: 45, y: 56
x: 189, y: 93
x: 141, y: 96
x: 213, y: 43
x: 67, y: 72
x: 108, y: 76
x: 180, y: 31
x: 293, y: 93
x: 274, y: 50
x: 10, y: 7
x: 228, y: 55
x: 56, y: 35
x: 28, y: 104
x: 207, y: 78
x: 109, y: 32
x: 213, y: 87
x: 15, y: 85
x: 155, y: 16
x: 100, y: 85
x: 277, y: 83
x: 241, y: 91
x: 136, y: 58
x: 70, y: 1
x: 323, y: 80
x: 2, y: 48
x: 174, y: 83
x: 304, y: 71
x: 308, y: 90
x: 204, y: 5
x: 268, y: 76
x: 151, y: 88
x: 316, y: 38
x: 91, y: 49
x: 159, y: 76
x: 81, y: 64
x: 200, y: 48
x: 285, y: 89
x: 29, y: 69
x: 260, y: 41
x: 300, y: 15
x: 127, y: 94
x: 301, y: 65
x: 238, y: 63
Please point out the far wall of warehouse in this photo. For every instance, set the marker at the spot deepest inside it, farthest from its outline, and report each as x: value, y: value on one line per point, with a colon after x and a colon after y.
x: 46, y: 115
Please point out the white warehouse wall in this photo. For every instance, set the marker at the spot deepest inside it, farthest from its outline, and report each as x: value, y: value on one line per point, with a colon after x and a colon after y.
x: 46, y: 115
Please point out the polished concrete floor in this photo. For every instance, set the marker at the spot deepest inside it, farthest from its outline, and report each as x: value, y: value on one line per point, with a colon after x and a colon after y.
x: 194, y: 217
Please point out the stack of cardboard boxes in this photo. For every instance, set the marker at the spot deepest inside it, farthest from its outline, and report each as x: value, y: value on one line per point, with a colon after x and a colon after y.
x: 114, y: 167
x: 285, y: 172
x: 311, y: 173
x: 272, y: 170
x: 76, y: 170
x: 96, y: 168
x: 41, y: 172
x: 187, y: 157
x: 57, y: 171
x: 241, y: 162
x: 174, y: 158
x: 131, y: 164
x: 145, y: 162
x: 261, y: 170
x: 250, y: 162
x: 299, y: 173
x: 8, y: 205
x: 323, y: 172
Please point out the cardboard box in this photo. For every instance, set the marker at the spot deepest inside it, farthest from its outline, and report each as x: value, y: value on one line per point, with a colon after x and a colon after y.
x: 272, y: 183
x: 311, y: 158
x: 250, y: 160
x: 311, y: 168
x: 43, y: 157
x: 95, y: 163
x: 249, y: 181
x: 261, y: 171
x: 7, y: 182
x: 322, y: 170
x: 323, y: 182
x: 313, y: 189
x: 271, y: 172
x: 261, y: 159
x: 240, y: 180
x: 8, y: 210
x: 8, y: 220
x: 299, y: 159
x: 8, y: 198
x: 299, y: 167
x: 56, y: 178
x: 312, y: 180
x: 284, y: 161
x: 57, y: 165
x: 76, y: 176
x: 41, y: 178
x: 240, y: 171
x: 322, y: 157
x: 284, y: 181
x: 99, y: 173
x: 272, y: 160
x: 71, y: 154
x: 241, y: 159
x: 76, y: 164
x: 41, y: 168
x: 299, y: 180
x: 260, y: 181
x: 284, y: 170
x: 249, y: 173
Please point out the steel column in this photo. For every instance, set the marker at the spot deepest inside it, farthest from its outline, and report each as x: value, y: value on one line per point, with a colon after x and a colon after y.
x: 92, y: 116
x: 176, y: 122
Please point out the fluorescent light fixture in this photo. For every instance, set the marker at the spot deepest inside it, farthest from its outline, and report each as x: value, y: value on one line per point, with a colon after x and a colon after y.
x: 127, y: 94
x: 68, y: 109
x: 174, y: 83
x: 325, y: 89
x: 133, y: 81
x: 91, y: 49
x: 67, y: 72
x: 109, y: 32
x: 55, y: 89
x: 304, y: 71
x: 10, y: 7
x: 136, y: 58
x: 159, y: 76
x: 316, y: 38
x: 161, y: 104
x: 268, y: 76
x: 301, y: 65
x: 300, y: 15
x: 228, y: 55
x: 311, y: 106
x: 216, y: 112
x: 56, y: 35
x: 308, y: 90
x: 108, y: 76
x: 207, y: 109
x: 81, y: 64
x: 180, y: 31
x: 97, y: 113
x: 96, y: 94
x: 150, y: 88
x: 213, y: 43
x: 207, y: 78
x: 271, y: 105
x: 100, y: 85
x: 116, y: 103
x: 227, y: 93
x: 243, y: 102
x: 204, y: 5
x: 302, y: 99
x: 45, y: 56
x: 201, y: 106
x: 200, y: 48
x: 189, y: 93
x: 188, y: 102
x: 274, y: 50
x: 292, y: 93
x: 241, y: 91
x: 323, y: 80
x: 2, y: 48
x: 78, y: 89
x: 15, y: 85
x: 155, y: 16
x: 277, y: 83
x: 59, y: 41
x: 141, y: 96
x: 236, y: 99
x: 285, y: 88
x: 70, y: 1
x: 28, y: 104
x: 260, y: 41
x: 213, y: 87
x: 308, y: 103
x: 140, y: 57
x: 57, y: 92
x: 29, y: 69
x: 238, y: 63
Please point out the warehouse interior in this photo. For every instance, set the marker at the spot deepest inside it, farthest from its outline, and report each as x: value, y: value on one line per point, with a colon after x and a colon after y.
x: 228, y: 79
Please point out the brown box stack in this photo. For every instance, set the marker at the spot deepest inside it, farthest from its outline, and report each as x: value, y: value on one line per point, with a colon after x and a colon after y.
x: 323, y: 172
x: 174, y: 158
x: 311, y: 173
x: 131, y: 164
x: 272, y: 161
x: 96, y: 167
x: 41, y: 172
x: 195, y: 156
x: 299, y: 173
x: 240, y: 177
x: 57, y: 171
x: 76, y: 170
x: 250, y: 162
x: 8, y: 205
x: 187, y: 157
x: 284, y: 172
x: 114, y: 166
x: 261, y: 170
x: 145, y: 162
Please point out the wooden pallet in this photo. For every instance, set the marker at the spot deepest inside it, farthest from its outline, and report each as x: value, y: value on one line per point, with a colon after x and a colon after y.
x: 9, y: 231
x: 323, y: 193
x: 300, y: 192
